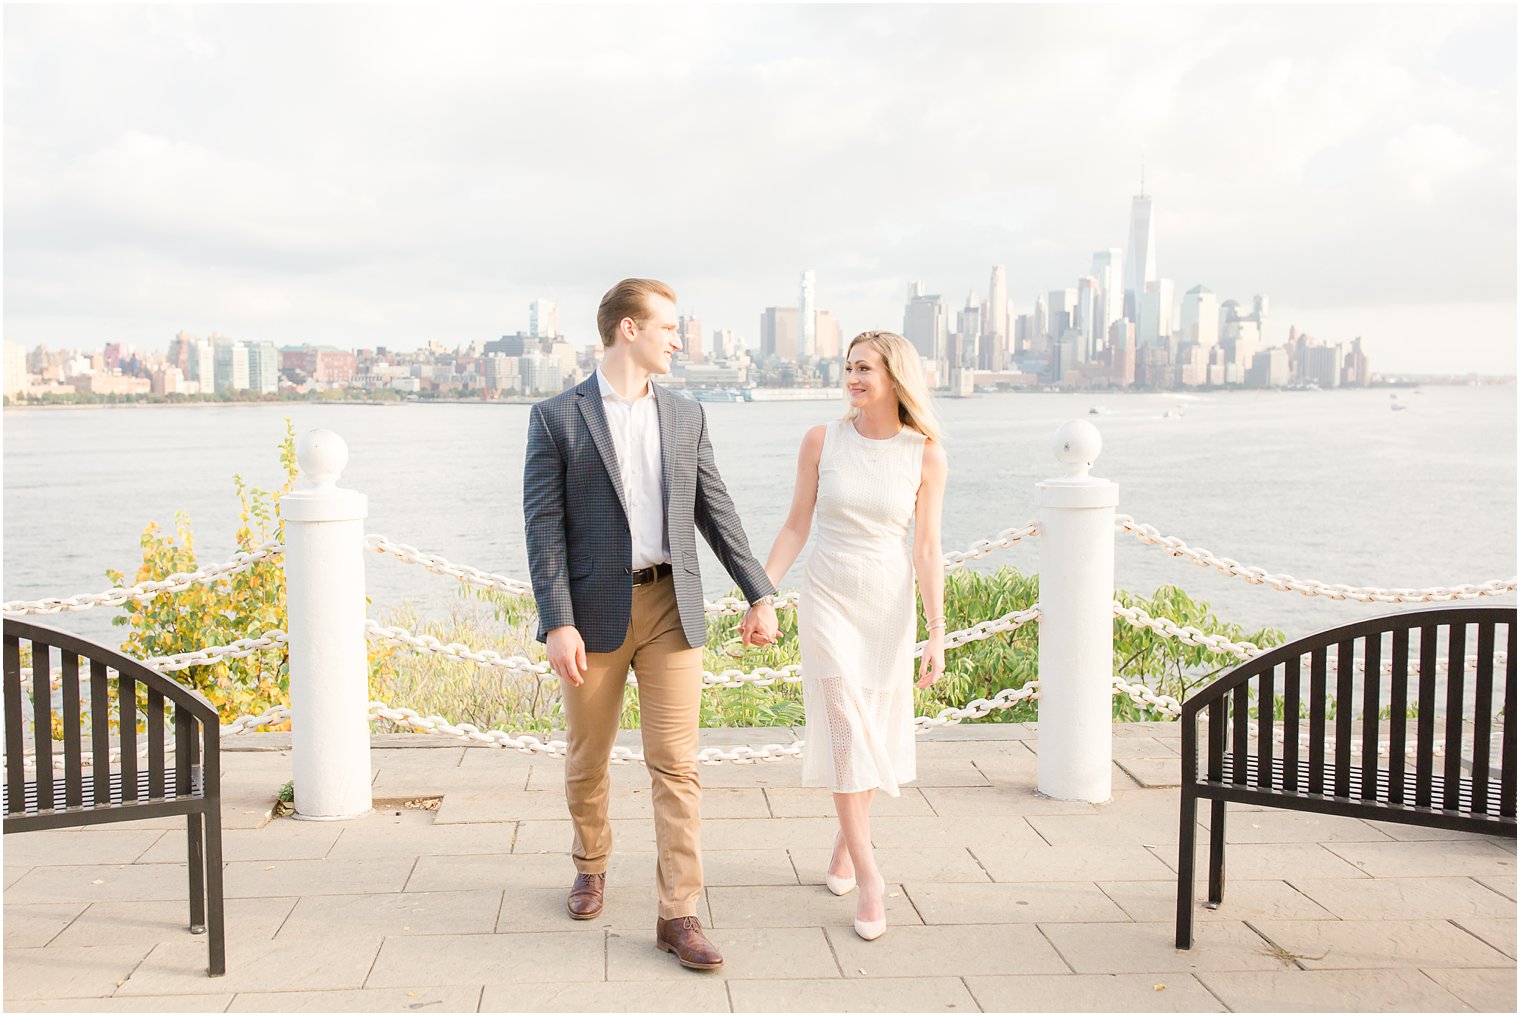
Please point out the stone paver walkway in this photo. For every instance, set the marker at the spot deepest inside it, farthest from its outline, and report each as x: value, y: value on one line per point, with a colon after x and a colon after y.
x: 1001, y: 900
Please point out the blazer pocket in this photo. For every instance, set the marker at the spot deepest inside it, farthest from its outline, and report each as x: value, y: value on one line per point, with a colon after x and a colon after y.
x: 581, y: 566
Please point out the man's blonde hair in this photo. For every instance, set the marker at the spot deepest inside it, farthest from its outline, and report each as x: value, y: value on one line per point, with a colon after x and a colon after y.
x: 628, y: 299
x: 914, y: 406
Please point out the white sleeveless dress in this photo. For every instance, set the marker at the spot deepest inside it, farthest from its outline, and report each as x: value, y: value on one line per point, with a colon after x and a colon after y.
x: 857, y: 616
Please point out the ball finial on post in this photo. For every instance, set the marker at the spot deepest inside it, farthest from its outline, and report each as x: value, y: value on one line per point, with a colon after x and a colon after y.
x: 322, y: 456
x: 1077, y: 445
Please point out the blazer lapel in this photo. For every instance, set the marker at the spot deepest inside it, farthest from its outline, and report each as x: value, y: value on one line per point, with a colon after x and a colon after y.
x: 590, y: 403
x: 667, y: 414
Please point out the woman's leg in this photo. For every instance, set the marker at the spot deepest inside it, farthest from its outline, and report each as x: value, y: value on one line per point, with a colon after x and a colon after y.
x: 854, y: 812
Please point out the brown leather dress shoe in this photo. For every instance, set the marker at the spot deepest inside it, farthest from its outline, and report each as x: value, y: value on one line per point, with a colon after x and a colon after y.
x: 683, y: 936
x: 586, y: 896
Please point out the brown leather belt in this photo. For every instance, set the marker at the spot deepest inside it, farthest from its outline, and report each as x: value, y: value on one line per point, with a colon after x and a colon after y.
x: 654, y: 573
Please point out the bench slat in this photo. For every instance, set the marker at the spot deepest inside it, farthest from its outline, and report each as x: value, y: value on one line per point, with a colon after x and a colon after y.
x: 126, y: 706
x: 1372, y: 657
x: 100, y: 727
x: 15, y: 743
x: 1425, y: 725
x: 73, y: 763
x: 1291, y: 705
x: 1507, y: 791
x: 1345, y: 664
x: 1316, y: 783
x: 1456, y: 651
x: 42, y: 715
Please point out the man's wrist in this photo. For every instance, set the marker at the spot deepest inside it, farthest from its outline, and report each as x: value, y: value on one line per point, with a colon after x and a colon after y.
x: 768, y: 600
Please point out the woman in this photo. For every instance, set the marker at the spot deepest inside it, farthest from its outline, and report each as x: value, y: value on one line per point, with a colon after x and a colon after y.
x: 865, y: 478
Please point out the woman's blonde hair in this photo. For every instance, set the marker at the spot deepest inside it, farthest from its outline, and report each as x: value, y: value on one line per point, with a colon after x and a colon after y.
x: 915, y: 408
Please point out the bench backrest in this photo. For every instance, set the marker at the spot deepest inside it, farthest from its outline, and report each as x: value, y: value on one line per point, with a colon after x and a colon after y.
x: 105, y: 697
x: 1444, y: 677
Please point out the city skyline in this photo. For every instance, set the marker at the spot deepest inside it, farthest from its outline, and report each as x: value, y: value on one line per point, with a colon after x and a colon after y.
x: 1360, y: 169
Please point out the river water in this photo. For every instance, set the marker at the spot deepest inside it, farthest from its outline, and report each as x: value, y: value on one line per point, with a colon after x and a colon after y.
x: 1326, y: 485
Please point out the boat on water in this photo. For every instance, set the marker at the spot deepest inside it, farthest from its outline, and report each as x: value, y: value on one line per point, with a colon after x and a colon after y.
x: 717, y: 395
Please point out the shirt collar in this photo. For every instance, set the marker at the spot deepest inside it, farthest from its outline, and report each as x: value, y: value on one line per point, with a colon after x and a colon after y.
x: 609, y: 392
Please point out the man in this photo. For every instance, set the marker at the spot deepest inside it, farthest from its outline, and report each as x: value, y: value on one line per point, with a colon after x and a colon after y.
x: 619, y: 475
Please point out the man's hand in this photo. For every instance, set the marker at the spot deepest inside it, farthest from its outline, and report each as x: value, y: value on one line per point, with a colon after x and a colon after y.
x: 760, y: 627
x: 567, y: 654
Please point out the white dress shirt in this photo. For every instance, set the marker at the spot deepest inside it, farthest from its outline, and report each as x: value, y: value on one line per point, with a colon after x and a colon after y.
x: 635, y: 427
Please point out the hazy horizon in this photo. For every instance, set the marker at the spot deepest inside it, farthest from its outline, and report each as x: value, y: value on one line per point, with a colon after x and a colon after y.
x: 361, y: 175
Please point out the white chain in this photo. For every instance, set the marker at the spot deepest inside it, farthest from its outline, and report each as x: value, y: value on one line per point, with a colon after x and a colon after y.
x: 442, y: 566
x: 272, y: 639
x: 981, y: 548
x: 178, y: 582
x: 725, y: 605
x: 1186, y: 633
x: 1308, y: 587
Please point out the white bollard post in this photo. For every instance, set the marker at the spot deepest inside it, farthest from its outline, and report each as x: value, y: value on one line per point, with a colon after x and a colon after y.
x: 329, y: 662
x: 1076, y: 622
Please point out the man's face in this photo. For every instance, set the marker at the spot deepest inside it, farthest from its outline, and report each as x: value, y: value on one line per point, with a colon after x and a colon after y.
x: 657, y: 337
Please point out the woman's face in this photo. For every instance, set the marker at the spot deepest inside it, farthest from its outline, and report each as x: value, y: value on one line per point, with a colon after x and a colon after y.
x: 866, y: 382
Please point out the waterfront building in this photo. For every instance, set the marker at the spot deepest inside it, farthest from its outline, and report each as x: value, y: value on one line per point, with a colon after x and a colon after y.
x: 1355, y: 370
x: 1154, y: 325
x: 926, y: 325
x: 1322, y: 365
x: 807, y: 344
x: 263, y: 367
x: 1060, y: 312
x: 1269, y: 369
x: 1200, y: 317
x: 231, y: 366
x: 543, y: 319
x: 968, y: 322
x: 829, y: 337
x: 996, y: 322
x: 511, y: 345
x: 16, y: 379
x: 724, y: 343
x: 1087, y: 324
x: 778, y: 334
x: 168, y: 380
x: 499, y: 373
x: 1108, y: 269
x: 1121, y: 353
x: 1140, y: 258
x: 541, y: 374
x: 691, y: 339
x: 1259, y: 306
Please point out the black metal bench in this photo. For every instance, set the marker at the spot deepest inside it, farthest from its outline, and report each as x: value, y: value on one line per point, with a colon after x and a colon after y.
x: 1338, y: 776
x: 189, y: 784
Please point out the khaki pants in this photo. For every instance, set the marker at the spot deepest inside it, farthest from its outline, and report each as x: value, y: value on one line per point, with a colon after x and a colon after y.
x: 670, y: 693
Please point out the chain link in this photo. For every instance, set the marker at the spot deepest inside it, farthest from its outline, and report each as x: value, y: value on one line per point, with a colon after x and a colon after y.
x: 1186, y: 634
x: 177, y: 582
x: 272, y: 639
x: 1307, y: 587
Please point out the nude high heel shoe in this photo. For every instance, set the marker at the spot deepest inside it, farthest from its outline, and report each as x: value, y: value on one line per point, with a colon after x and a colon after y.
x: 872, y: 930
x: 837, y: 885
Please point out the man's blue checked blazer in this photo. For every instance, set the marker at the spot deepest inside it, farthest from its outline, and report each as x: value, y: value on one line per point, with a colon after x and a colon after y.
x: 579, y: 549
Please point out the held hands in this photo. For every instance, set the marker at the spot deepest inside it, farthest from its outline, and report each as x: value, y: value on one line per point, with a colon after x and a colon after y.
x: 932, y: 666
x: 567, y: 654
x: 760, y: 627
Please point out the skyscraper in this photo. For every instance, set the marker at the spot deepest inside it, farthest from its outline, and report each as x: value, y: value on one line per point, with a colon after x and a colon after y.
x: 1140, y: 258
x: 1108, y: 269
x: 778, y: 333
x: 543, y: 319
x: 1200, y: 317
x: 925, y: 324
x: 807, y: 320
x: 997, y: 325
x: 1088, y: 326
x: 829, y: 339
x: 691, y: 339
x: 1154, y: 326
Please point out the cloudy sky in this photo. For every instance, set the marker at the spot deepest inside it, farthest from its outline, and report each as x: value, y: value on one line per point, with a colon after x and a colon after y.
x: 361, y: 175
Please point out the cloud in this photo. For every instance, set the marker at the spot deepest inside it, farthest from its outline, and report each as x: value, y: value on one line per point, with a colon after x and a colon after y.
x: 398, y: 173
